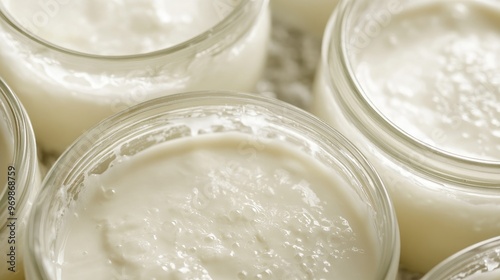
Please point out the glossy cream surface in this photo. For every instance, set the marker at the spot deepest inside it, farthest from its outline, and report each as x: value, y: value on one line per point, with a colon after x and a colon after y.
x: 65, y: 95
x: 217, y: 207
x: 118, y: 27
x: 433, y: 70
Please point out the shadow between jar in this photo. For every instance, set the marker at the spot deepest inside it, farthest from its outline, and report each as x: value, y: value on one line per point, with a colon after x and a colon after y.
x: 176, y: 116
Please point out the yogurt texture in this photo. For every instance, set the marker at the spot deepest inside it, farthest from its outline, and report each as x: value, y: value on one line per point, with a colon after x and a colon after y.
x: 66, y: 93
x: 118, y: 27
x: 433, y: 70
x: 210, y: 208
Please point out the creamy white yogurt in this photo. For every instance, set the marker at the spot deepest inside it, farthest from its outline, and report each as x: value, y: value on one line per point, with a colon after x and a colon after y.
x: 433, y: 70
x: 208, y: 208
x: 118, y: 27
x: 65, y: 94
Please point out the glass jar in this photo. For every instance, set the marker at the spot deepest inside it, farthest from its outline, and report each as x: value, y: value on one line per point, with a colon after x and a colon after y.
x: 308, y: 16
x: 446, y: 198
x: 187, y: 116
x: 20, y: 180
x: 65, y: 92
x: 480, y: 261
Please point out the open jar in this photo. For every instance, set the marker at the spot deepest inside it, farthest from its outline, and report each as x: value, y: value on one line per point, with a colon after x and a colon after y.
x: 480, y: 261
x: 212, y: 185
x: 19, y: 180
x: 72, y: 63
x: 415, y: 86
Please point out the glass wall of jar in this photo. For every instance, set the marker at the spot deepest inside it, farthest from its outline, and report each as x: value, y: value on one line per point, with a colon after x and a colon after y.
x: 480, y: 261
x: 415, y: 85
x: 19, y: 180
x: 309, y: 16
x: 72, y: 63
x: 242, y: 187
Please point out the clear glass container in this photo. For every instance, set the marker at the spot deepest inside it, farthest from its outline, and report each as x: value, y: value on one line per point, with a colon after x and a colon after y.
x: 19, y: 180
x: 445, y: 199
x: 187, y: 115
x: 65, y: 92
x: 480, y: 261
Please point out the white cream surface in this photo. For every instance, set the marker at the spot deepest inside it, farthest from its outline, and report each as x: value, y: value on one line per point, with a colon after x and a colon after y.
x: 118, y: 27
x: 66, y: 95
x: 434, y: 71
x: 211, y: 207
x: 491, y: 275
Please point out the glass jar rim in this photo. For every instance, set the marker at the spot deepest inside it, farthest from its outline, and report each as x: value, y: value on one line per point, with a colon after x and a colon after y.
x: 24, y: 157
x: 219, y: 28
x: 458, y: 261
x: 430, y: 160
x: 219, y: 99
